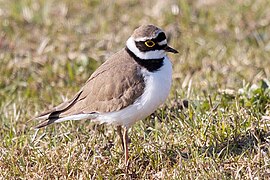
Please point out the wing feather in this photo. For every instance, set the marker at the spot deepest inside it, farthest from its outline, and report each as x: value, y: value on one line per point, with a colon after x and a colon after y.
x: 113, y: 86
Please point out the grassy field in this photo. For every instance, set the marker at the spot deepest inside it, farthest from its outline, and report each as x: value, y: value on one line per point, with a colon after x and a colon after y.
x: 49, y: 48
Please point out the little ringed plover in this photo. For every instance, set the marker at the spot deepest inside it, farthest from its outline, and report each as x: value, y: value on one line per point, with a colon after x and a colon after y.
x: 129, y: 86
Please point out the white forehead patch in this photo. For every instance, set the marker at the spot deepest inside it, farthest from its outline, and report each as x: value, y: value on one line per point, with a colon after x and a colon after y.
x: 164, y: 42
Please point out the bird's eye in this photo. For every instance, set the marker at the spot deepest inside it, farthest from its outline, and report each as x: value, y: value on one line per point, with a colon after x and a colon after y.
x: 149, y: 43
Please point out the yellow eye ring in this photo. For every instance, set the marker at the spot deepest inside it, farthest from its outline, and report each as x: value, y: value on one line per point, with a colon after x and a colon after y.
x: 150, y: 43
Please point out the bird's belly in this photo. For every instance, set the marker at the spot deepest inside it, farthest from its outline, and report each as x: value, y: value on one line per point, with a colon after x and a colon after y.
x: 157, y: 88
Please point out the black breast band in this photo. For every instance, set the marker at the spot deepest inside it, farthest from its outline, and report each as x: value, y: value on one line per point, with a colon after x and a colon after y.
x: 151, y: 65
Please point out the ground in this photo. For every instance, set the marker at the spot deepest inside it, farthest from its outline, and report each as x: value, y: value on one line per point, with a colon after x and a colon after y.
x: 214, y: 125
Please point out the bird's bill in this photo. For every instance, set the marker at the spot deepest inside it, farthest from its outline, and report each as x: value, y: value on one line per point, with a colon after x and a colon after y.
x: 170, y: 49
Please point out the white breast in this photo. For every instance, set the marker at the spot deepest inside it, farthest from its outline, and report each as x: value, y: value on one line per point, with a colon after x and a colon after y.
x: 157, y: 89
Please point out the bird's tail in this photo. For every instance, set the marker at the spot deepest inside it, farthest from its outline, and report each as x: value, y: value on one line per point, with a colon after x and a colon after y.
x: 60, y: 114
x: 47, y: 119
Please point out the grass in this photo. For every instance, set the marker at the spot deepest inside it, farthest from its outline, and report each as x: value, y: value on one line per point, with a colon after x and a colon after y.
x: 49, y: 48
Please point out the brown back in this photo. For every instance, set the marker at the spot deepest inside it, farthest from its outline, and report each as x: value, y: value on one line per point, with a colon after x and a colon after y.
x: 116, y: 84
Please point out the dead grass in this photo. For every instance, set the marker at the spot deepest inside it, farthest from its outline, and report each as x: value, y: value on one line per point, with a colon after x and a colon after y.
x: 49, y: 48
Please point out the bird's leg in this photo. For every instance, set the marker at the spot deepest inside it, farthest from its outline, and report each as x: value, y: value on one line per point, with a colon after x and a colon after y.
x: 125, y: 138
x: 119, y: 132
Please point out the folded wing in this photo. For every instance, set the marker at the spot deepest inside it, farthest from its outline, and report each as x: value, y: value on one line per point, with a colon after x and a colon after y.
x: 113, y: 86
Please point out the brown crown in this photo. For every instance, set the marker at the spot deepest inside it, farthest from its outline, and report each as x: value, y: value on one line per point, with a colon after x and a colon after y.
x: 149, y: 30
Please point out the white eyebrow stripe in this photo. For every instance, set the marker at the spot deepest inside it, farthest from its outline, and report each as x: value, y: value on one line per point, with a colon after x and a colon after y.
x: 162, y: 42
x: 142, y: 39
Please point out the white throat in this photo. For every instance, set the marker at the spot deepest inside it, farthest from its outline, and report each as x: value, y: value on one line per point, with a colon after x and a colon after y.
x: 157, y: 54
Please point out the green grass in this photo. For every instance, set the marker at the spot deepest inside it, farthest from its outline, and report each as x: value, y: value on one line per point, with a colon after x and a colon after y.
x: 49, y: 48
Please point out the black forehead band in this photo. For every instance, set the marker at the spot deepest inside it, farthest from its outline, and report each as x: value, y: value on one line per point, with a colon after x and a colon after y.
x: 161, y: 37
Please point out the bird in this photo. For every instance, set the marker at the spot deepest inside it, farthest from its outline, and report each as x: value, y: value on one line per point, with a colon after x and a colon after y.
x: 129, y: 86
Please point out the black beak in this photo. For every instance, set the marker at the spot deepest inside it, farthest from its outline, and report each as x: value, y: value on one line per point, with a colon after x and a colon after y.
x: 170, y: 49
